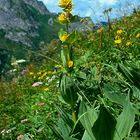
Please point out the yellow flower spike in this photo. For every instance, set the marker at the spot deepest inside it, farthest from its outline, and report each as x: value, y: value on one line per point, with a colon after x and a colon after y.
x: 119, y: 31
x: 138, y: 35
x: 65, y: 3
x: 63, y: 37
x: 128, y: 43
x: 70, y: 64
x: 68, y: 8
x: 118, y: 41
x: 62, y: 18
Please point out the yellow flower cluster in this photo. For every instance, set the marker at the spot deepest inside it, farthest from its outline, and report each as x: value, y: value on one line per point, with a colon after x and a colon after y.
x: 62, y: 18
x: 63, y: 37
x: 67, y: 8
x: 138, y: 35
x: 118, y: 40
x: 128, y: 43
x: 66, y: 4
x: 46, y: 89
x: 119, y: 32
x: 40, y: 75
x: 31, y: 73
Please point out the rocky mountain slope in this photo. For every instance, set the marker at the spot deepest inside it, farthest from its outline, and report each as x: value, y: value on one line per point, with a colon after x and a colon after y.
x: 26, y: 21
x: 29, y: 22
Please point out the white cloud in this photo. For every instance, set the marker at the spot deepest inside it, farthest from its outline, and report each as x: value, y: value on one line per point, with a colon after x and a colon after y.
x: 93, y: 8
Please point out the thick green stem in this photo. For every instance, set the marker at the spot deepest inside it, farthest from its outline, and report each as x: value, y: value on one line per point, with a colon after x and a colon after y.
x: 67, y: 27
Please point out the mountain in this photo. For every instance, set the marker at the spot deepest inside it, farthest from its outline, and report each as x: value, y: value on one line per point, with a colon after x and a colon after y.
x: 26, y: 22
x: 29, y: 23
x: 82, y: 24
x: 26, y: 25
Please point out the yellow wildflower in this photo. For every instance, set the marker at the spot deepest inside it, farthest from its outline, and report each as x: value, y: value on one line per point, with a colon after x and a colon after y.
x: 45, y: 89
x: 62, y: 18
x: 63, y: 37
x: 66, y: 4
x: 100, y: 30
x: 128, y: 43
x: 39, y: 73
x: 58, y: 66
x: 49, y: 72
x: 31, y: 73
x: 119, y: 31
x: 70, y: 64
x: 68, y: 8
x: 117, y: 37
x: 54, y: 72
x: 42, y: 76
x: 138, y: 35
x: 118, y: 41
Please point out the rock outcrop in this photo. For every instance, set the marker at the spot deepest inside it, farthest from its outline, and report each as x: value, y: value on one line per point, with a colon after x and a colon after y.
x: 18, y: 19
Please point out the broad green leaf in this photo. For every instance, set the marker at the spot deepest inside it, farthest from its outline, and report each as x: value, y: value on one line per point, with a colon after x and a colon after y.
x: 61, y: 32
x: 87, y: 117
x: 125, y: 121
x: 94, y: 71
x: 132, y: 74
x: 64, y: 128
x: 63, y: 58
x: 66, y: 117
x: 112, y: 94
x: 86, y: 136
x: 126, y: 72
x: 136, y: 77
x: 56, y: 131
x: 69, y: 138
x: 104, y: 127
x: 68, y: 90
x: 73, y: 37
x: 136, y: 92
x: 82, y: 75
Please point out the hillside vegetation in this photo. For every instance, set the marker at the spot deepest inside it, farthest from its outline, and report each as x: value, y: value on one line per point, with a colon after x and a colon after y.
x: 84, y: 86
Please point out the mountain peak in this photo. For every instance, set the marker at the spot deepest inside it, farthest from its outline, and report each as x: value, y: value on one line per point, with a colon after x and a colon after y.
x: 39, y: 5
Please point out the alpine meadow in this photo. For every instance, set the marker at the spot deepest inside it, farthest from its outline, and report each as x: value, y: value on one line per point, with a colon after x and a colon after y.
x: 67, y: 77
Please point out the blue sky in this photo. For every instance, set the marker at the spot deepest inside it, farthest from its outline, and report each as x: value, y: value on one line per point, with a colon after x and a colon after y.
x: 95, y: 8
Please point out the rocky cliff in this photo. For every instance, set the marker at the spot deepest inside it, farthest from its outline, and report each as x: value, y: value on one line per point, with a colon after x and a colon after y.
x: 24, y: 21
x: 29, y: 22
